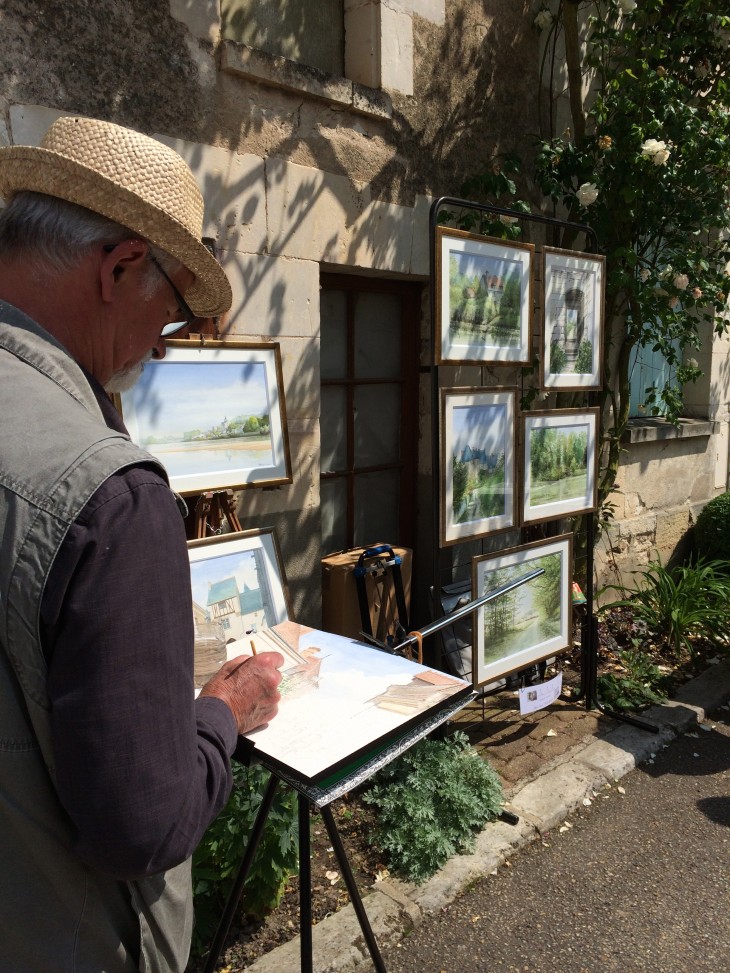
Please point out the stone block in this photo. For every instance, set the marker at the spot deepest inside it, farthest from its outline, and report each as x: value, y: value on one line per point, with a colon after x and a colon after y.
x: 300, y: 370
x: 234, y: 191
x: 29, y: 123
x: 202, y: 18
x: 396, y: 50
x: 431, y: 10
x: 283, y: 73
x: 273, y: 297
x: 494, y: 844
x: 317, y: 215
x: 547, y: 800
x: 362, y: 42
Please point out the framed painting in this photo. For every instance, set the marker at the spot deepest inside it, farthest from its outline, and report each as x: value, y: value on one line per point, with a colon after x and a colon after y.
x: 530, y: 623
x: 560, y: 462
x: 213, y: 414
x: 572, y: 333
x: 477, y: 462
x: 239, y: 588
x: 484, y: 299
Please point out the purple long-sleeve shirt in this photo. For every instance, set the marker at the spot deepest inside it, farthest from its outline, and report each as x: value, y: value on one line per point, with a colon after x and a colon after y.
x: 142, y: 768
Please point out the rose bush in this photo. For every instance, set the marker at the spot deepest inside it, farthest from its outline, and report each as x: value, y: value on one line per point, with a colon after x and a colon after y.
x: 649, y: 151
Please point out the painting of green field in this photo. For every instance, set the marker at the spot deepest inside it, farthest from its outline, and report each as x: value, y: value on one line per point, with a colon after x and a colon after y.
x: 527, y: 616
x: 558, y: 464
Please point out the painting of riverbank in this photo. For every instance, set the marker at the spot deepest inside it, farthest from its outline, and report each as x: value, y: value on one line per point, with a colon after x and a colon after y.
x: 212, y: 415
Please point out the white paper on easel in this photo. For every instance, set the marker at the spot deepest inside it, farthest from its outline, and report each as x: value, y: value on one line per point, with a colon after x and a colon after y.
x: 540, y: 696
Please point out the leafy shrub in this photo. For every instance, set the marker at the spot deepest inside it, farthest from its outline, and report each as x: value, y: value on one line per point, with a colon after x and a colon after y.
x: 712, y: 530
x: 688, y: 601
x: 558, y: 358
x: 641, y: 685
x: 431, y: 801
x: 217, y: 859
x: 584, y: 358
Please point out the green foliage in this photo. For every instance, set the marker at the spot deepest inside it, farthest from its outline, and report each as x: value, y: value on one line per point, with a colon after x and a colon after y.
x: 646, y: 163
x: 680, y: 604
x: 642, y: 683
x: 712, y: 530
x: 219, y: 855
x: 495, y: 186
x: 431, y: 801
x: 584, y: 358
x: 558, y: 358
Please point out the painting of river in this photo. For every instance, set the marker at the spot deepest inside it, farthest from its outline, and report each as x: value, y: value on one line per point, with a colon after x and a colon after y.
x: 212, y: 416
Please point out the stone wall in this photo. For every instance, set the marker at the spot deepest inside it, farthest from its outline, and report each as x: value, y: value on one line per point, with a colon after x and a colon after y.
x: 303, y: 172
x: 299, y: 171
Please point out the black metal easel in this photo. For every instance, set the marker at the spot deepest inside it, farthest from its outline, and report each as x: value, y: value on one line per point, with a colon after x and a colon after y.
x: 311, y: 796
x: 589, y: 631
x: 305, y: 882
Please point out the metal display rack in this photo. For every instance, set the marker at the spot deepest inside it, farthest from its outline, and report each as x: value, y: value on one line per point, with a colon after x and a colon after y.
x: 589, y: 630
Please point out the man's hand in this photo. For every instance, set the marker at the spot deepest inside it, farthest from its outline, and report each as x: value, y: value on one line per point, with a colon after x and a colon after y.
x: 249, y: 687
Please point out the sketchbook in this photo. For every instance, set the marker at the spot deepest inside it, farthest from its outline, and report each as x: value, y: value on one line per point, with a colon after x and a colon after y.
x: 341, y: 700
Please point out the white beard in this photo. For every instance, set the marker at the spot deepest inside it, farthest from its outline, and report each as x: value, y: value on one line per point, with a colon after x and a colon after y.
x: 126, y: 378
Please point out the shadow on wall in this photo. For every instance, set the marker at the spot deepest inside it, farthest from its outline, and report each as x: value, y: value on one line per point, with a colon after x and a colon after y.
x: 132, y: 62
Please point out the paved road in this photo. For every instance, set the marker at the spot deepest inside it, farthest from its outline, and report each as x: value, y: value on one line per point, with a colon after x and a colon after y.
x: 639, y: 884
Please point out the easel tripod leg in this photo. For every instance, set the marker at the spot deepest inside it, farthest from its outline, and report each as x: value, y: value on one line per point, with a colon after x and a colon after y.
x: 353, y: 890
x: 305, y: 887
x: 235, y: 894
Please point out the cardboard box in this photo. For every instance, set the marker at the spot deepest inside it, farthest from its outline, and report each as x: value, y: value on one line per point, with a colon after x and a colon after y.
x: 340, y: 605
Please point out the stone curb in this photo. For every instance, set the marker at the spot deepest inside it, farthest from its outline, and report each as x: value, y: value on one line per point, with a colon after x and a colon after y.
x: 394, y: 908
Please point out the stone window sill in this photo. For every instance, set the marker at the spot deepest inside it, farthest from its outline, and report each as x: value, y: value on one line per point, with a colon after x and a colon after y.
x: 247, y: 62
x: 654, y: 430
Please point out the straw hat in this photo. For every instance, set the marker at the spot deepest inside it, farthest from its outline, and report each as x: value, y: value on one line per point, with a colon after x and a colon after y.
x: 131, y: 179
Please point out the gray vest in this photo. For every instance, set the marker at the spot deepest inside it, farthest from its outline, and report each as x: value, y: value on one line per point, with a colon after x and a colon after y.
x: 58, y: 914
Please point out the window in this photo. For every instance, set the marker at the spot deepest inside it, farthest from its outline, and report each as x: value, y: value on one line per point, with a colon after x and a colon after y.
x: 299, y: 30
x: 368, y: 422
x: 647, y: 369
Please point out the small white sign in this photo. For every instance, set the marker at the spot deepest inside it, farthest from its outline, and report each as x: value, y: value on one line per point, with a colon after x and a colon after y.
x: 540, y: 696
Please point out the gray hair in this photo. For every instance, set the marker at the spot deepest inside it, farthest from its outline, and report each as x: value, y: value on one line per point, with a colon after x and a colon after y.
x: 56, y: 235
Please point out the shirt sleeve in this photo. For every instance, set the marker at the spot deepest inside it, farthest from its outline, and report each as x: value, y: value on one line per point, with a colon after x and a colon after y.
x: 142, y: 767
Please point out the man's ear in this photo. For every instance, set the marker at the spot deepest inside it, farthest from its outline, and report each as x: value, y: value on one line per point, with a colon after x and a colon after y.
x: 120, y: 267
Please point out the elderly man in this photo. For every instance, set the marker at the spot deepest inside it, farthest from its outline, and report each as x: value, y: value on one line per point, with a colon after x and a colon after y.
x: 110, y: 771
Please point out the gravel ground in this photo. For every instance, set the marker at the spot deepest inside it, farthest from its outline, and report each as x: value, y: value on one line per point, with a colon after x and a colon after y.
x: 637, y: 882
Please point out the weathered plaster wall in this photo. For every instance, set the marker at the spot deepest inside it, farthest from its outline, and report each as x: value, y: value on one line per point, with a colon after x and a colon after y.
x: 294, y: 182
x: 291, y: 181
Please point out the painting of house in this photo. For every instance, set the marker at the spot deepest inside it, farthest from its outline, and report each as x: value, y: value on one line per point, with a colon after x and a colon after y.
x: 240, y: 612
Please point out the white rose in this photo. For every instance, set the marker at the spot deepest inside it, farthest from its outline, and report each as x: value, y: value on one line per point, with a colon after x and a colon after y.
x: 627, y: 6
x: 543, y: 19
x: 681, y: 282
x: 644, y: 273
x: 655, y: 150
x: 587, y: 193
x: 693, y: 363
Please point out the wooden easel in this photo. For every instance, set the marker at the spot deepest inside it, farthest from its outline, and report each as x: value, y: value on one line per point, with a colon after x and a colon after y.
x: 211, y: 509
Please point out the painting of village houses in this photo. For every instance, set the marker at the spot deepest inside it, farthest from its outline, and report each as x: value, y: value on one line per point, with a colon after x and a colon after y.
x: 485, y: 290
x: 478, y: 462
x: 341, y: 697
x: 238, y: 590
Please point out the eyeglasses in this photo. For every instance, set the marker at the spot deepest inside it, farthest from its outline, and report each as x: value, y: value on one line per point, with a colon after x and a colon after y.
x: 190, y: 316
x: 174, y: 326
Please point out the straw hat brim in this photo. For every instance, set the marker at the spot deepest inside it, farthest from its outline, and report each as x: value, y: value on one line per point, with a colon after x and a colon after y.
x: 27, y: 168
